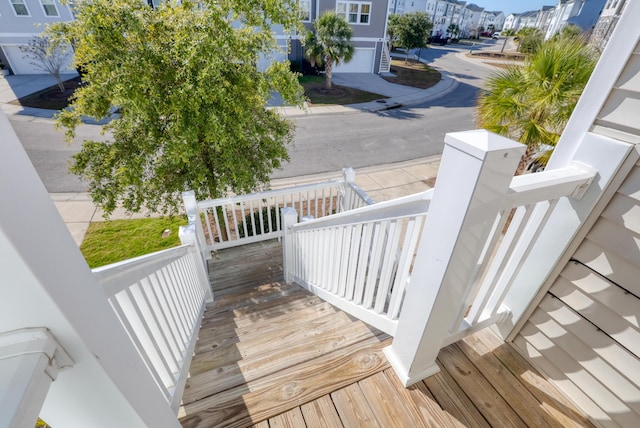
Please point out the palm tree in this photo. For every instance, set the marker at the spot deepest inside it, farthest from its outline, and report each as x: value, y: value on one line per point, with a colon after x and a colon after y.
x: 532, y: 103
x: 329, y: 43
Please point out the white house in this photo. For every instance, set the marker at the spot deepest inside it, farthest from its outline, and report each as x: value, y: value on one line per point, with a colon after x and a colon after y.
x: 607, y: 22
x: 20, y: 21
x: 583, y: 13
x: 512, y: 22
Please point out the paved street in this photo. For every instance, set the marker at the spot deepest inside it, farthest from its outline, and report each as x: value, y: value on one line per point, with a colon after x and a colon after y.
x: 323, y: 143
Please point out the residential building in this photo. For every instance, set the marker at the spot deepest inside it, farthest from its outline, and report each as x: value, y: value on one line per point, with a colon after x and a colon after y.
x: 529, y: 19
x: 368, y: 20
x: 583, y: 13
x: 607, y: 22
x: 494, y: 19
x: 470, y: 24
x: 20, y: 21
x: 512, y: 22
x: 545, y: 17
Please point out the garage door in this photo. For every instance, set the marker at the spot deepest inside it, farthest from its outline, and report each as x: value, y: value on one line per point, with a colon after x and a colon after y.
x: 362, y: 62
x: 21, y: 65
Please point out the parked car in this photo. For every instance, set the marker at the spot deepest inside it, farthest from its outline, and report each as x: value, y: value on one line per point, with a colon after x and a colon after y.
x: 496, y: 35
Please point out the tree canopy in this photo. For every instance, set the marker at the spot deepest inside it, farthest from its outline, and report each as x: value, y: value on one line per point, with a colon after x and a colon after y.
x: 410, y: 31
x: 329, y: 43
x: 532, y: 103
x: 185, y: 101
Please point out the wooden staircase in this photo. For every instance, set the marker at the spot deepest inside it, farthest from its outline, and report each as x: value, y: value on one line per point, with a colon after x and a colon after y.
x: 266, y: 347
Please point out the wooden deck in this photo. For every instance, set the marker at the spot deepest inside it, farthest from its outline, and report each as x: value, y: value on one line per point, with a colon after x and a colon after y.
x: 271, y: 354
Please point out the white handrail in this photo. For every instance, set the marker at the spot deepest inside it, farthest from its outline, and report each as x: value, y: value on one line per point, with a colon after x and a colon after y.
x: 159, y: 299
x: 405, y: 206
x: 244, y: 219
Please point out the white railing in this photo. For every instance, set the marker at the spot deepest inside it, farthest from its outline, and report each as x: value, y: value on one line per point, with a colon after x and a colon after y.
x: 510, y: 241
x: 465, y: 264
x: 359, y: 260
x: 240, y: 220
x: 159, y: 299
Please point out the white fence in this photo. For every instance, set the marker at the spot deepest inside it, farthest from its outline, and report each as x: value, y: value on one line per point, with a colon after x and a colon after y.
x: 239, y: 220
x: 160, y: 299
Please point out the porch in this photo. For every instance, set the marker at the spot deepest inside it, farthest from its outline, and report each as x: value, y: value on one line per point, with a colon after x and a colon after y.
x: 272, y: 354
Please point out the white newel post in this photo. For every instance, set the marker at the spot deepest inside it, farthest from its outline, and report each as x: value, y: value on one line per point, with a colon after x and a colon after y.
x: 30, y: 359
x: 289, y: 218
x: 349, y: 177
x: 188, y: 236
x: 474, y: 175
x: 191, y: 208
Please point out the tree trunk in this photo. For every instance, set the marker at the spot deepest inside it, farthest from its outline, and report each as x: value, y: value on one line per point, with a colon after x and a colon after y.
x: 525, y: 159
x: 60, y: 83
x: 328, y: 73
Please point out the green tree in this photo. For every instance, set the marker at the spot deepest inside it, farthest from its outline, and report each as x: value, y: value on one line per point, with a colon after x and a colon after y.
x: 453, y: 30
x: 411, y: 31
x: 329, y: 43
x: 393, y: 23
x: 532, y: 103
x: 191, y: 102
x: 530, y: 40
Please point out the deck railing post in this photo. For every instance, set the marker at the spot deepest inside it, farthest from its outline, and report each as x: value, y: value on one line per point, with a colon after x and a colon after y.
x: 289, y: 218
x: 188, y: 236
x: 193, y: 217
x: 474, y: 176
x: 348, y: 178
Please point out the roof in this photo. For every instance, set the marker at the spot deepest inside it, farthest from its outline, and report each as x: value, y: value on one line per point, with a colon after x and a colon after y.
x: 475, y: 7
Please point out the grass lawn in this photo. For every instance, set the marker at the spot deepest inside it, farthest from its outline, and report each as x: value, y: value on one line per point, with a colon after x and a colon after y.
x: 412, y: 73
x: 315, y: 90
x: 50, y: 98
x: 116, y: 240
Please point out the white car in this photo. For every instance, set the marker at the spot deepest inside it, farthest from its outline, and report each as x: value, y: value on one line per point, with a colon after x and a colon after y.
x: 496, y: 35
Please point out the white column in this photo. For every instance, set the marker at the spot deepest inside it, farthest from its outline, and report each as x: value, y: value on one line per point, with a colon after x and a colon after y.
x: 29, y: 361
x: 474, y: 176
x: 45, y: 281
x: 289, y: 218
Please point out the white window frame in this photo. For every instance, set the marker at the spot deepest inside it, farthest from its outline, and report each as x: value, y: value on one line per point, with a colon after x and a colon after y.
x: 22, y: 2
x: 346, y: 14
x: 44, y: 9
x: 300, y: 2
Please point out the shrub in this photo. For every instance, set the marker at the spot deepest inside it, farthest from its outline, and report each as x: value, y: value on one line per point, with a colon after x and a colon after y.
x: 256, y: 220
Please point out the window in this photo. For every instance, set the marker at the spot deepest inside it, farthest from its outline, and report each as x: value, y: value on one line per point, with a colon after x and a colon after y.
x: 20, y: 8
x: 354, y: 12
x: 49, y: 7
x: 305, y: 10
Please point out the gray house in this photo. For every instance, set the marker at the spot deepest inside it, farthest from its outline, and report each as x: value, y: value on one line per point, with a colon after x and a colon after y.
x: 21, y: 20
x: 368, y: 19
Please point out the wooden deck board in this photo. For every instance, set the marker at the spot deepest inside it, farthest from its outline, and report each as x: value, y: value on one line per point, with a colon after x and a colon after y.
x: 271, y: 354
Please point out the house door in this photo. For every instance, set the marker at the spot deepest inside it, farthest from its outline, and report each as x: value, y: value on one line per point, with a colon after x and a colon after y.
x: 585, y: 333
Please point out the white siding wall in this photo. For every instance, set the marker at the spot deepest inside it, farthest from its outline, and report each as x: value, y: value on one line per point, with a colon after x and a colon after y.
x: 585, y: 332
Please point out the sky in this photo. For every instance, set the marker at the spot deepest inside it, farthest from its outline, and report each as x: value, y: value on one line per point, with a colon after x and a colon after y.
x: 513, y: 6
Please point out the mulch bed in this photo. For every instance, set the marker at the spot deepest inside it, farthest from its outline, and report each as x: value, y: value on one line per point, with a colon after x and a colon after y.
x: 50, y: 98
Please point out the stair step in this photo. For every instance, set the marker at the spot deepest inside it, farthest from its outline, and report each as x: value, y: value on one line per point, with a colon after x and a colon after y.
x: 313, y: 340
x: 279, y: 392
x: 224, y: 334
x: 259, y: 340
